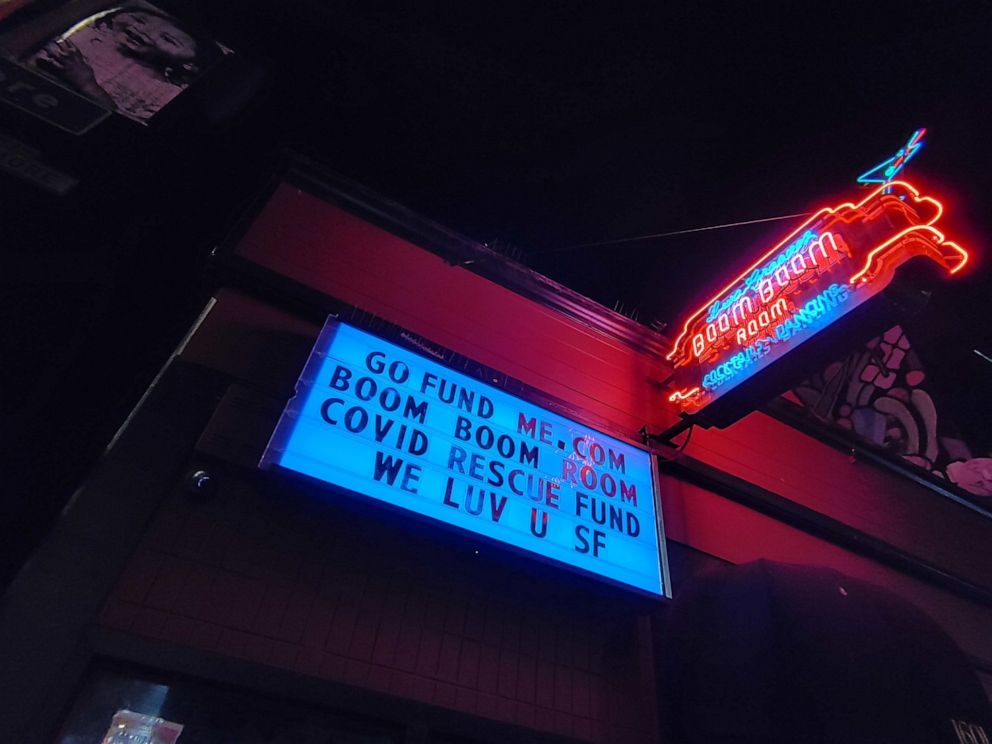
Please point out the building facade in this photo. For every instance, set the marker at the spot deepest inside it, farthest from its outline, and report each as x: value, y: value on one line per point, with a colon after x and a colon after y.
x: 185, y: 586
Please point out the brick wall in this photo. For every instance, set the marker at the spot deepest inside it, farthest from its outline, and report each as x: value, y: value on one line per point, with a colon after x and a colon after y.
x: 289, y: 578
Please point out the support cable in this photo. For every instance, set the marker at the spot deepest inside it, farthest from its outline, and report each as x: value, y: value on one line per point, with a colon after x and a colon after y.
x: 679, y: 232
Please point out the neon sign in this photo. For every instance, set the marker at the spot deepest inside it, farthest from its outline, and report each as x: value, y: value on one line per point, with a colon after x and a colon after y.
x: 825, y: 268
x: 393, y: 426
x: 886, y: 171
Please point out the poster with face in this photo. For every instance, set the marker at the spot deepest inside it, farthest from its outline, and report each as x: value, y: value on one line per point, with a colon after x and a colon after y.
x: 132, y: 57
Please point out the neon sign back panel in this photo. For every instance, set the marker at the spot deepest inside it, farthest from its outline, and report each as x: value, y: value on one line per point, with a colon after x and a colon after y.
x: 391, y: 425
x: 823, y: 270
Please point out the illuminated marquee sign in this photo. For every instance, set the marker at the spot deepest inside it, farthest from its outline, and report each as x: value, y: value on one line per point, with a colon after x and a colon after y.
x: 392, y: 425
x: 832, y: 263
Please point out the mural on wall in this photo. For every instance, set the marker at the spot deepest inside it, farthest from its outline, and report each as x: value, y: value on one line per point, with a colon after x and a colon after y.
x: 880, y: 395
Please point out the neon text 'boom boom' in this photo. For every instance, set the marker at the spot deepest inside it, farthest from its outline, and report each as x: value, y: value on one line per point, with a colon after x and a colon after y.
x: 833, y: 262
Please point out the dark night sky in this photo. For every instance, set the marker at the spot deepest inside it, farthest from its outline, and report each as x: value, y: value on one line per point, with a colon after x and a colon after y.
x: 565, y: 123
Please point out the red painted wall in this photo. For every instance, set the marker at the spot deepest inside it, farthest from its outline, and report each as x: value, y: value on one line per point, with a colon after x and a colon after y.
x: 328, y: 249
x: 777, y: 457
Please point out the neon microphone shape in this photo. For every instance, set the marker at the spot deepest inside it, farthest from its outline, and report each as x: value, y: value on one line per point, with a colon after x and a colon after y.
x: 752, y: 321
